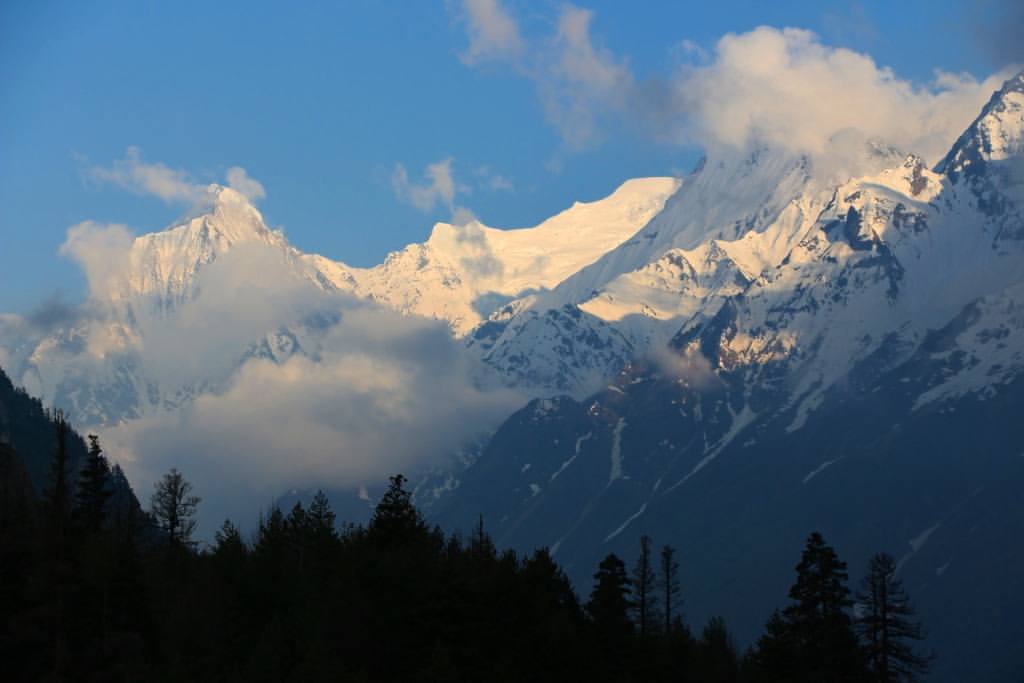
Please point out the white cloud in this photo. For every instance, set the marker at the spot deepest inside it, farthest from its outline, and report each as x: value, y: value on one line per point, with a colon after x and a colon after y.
x: 239, y: 180
x: 579, y: 82
x: 174, y: 186
x: 438, y: 186
x: 367, y: 393
x: 786, y: 89
x: 136, y: 175
x: 490, y: 179
x: 246, y: 293
x: 688, y: 366
x: 582, y: 81
x: 492, y: 32
x: 480, y: 259
x: 102, y: 250
x: 768, y: 86
x: 688, y: 50
x: 373, y: 394
x: 462, y: 216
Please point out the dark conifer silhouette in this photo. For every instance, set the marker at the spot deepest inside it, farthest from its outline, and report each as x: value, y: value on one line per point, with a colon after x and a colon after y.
x: 228, y: 540
x: 395, y: 518
x: 669, y: 584
x: 93, y: 488
x: 716, y: 653
x: 321, y: 517
x: 58, y: 497
x: 886, y: 627
x: 480, y: 544
x: 174, y: 508
x: 812, y: 639
x: 610, y: 600
x: 644, y: 598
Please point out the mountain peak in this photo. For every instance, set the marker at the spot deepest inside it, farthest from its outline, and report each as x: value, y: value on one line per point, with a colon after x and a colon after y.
x: 165, y: 263
x: 996, y: 135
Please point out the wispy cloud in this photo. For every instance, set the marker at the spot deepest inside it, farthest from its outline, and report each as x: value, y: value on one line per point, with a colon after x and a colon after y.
x: 579, y: 82
x: 174, y: 186
x: 583, y: 81
x: 781, y: 87
x: 492, y: 180
x: 438, y: 187
x: 239, y: 180
x: 136, y: 175
x: 492, y: 32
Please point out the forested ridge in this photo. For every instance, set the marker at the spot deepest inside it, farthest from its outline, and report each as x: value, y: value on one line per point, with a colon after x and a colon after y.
x: 95, y: 588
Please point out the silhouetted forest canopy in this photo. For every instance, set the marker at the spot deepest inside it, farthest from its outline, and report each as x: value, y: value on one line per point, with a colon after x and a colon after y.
x: 95, y: 588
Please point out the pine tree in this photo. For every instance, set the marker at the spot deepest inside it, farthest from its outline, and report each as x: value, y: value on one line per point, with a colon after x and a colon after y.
x: 322, y: 517
x: 885, y: 625
x: 300, y: 534
x: 644, y: 600
x: 228, y: 540
x: 396, y: 519
x: 609, y: 601
x: 93, y: 487
x: 669, y: 581
x: 481, y: 547
x: 717, y: 659
x: 58, y: 576
x: 812, y: 639
x: 174, y: 508
x: 58, y: 501
x: 272, y: 538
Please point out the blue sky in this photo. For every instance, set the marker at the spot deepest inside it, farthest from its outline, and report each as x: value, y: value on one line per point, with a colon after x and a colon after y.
x: 320, y: 103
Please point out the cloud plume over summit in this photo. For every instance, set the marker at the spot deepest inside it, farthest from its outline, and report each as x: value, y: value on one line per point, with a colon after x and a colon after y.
x: 781, y: 87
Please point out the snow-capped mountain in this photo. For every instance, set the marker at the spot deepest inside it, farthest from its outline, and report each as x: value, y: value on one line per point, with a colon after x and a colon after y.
x: 724, y: 361
x: 461, y: 274
x: 100, y: 368
x: 852, y: 362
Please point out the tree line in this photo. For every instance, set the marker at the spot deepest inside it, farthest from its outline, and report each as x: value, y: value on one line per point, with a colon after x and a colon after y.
x: 93, y: 588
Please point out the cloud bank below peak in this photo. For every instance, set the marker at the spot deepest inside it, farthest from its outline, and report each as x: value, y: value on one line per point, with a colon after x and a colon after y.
x: 781, y: 87
x: 288, y: 385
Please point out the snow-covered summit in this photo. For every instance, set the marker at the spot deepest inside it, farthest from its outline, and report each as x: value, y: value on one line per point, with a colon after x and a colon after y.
x: 97, y: 369
x: 996, y: 135
x: 544, y: 255
x: 164, y: 264
x: 463, y: 273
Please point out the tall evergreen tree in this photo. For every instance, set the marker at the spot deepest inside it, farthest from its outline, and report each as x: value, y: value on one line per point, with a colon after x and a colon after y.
x: 609, y: 601
x: 395, y: 518
x: 322, y: 517
x: 716, y: 653
x: 228, y: 540
x: 272, y: 538
x: 481, y: 547
x: 300, y: 534
x: 93, y: 487
x: 669, y: 583
x: 644, y: 599
x: 886, y: 627
x: 58, y: 496
x: 812, y: 639
x: 174, y: 508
